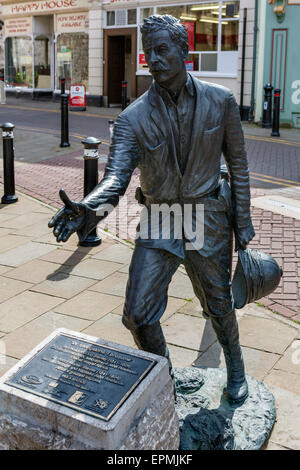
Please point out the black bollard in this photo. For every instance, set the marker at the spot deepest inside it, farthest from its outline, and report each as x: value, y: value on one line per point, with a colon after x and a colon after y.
x: 9, y: 196
x: 62, y: 86
x: 91, y: 157
x: 267, y: 112
x: 276, y: 113
x: 111, y: 124
x: 64, y: 142
x: 124, y: 95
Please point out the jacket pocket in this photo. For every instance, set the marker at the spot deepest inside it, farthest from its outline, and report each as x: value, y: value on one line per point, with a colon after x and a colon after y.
x: 212, y: 130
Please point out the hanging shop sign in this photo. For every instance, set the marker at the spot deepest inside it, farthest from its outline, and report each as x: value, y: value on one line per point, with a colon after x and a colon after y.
x: 77, y: 97
x: 18, y: 26
x: 42, y: 6
x: 72, y: 23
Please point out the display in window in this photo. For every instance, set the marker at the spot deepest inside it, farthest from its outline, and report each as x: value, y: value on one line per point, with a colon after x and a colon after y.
x: 131, y: 16
x: 192, y: 63
x: 142, y: 62
x: 230, y: 35
x: 145, y: 13
x: 201, y: 21
x: 42, y: 74
x: 18, y: 62
x: 72, y: 58
x: 190, y: 27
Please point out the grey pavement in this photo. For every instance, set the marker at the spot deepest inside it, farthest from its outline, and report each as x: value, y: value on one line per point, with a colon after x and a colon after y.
x: 45, y: 285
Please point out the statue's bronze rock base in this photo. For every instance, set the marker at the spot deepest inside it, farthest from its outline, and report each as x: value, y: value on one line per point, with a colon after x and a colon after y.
x: 209, y: 422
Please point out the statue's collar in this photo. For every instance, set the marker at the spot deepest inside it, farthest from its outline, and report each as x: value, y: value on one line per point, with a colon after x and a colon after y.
x: 166, y: 95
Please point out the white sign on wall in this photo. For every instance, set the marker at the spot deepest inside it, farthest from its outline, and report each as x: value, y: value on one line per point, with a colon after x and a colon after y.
x: 42, y: 6
x: 296, y: 94
x: 18, y: 26
x: 72, y: 23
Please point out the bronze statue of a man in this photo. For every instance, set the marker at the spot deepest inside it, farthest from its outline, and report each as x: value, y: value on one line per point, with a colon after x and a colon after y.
x: 175, y: 133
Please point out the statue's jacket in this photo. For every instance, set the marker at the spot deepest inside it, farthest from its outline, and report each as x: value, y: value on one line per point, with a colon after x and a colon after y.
x: 143, y: 138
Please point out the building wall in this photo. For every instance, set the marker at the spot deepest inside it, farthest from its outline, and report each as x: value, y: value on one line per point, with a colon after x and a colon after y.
x: 286, y: 52
x: 250, y: 6
x: 1, y: 43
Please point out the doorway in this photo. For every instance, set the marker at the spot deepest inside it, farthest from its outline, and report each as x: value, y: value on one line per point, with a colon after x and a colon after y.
x: 120, y: 65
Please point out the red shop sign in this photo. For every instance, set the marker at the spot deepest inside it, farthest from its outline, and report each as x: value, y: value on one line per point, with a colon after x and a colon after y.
x: 77, y: 97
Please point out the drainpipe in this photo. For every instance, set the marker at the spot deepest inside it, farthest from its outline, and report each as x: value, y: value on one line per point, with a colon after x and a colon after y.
x: 243, y: 65
x: 251, y: 112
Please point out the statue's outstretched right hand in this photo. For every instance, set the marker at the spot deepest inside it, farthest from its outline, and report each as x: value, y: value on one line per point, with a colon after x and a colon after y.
x: 68, y: 219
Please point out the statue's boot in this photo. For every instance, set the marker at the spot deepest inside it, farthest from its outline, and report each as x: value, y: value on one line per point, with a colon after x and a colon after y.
x: 227, y: 331
x: 151, y: 338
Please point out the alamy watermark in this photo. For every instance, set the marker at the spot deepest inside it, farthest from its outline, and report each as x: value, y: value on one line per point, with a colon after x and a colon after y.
x: 158, y: 222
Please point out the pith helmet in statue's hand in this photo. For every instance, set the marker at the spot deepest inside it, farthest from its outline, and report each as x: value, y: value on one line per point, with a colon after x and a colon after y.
x: 257, y: 274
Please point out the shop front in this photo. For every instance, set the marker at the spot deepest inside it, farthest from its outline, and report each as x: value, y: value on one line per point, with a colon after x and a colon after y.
x: 213, y: 32
x: 44, y: 41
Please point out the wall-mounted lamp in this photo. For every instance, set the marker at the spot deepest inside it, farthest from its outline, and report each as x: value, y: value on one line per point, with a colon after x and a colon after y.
x: 279, y: 10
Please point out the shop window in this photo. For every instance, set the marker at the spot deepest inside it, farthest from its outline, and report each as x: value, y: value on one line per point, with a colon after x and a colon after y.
x: 131, y: 16
x: 209, y: 62
x: 230, y: 35
x: 110, y: 18
x: 145, y: 13
x: 72, y: 58
x: 42, y: 75
x: 18, y: 62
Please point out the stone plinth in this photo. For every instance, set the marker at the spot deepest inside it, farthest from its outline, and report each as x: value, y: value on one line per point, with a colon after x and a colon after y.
x: 145, y: 420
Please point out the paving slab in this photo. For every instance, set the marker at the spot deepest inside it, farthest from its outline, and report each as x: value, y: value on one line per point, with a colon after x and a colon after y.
x: 10, y: 242
x: 273, y: 446
x: 285, y: 380
x: 286, y: 431
x: 111, y: 328
x: 90, y: 305
x: 63, y: 285
x: 192, y: 307
x: 257, y: 363
x: 34, y: 271
x: 64, y: 257
x: 11, y: 287
x: 71, y: 244
x: 33, y: 231
x: 23, y: 308
x: 29, y: 219
x: 4, y: 231
x: 22, y: 340
x: 117, y: 253
x: 24, y: 253
x: 181, y: 287
x: 115, y: 284
x: 6, y: 363
x: 189, y: 332
x: 93, y: 269
x: 182, y: 357
x: 265, y: 334
x: 290, y: 361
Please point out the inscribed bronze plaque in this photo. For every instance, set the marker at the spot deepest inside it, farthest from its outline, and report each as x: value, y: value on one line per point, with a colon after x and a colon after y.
x: 83, y: 375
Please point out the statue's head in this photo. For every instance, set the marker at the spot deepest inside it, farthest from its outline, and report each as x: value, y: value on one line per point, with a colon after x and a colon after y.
x: 165, y: 43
